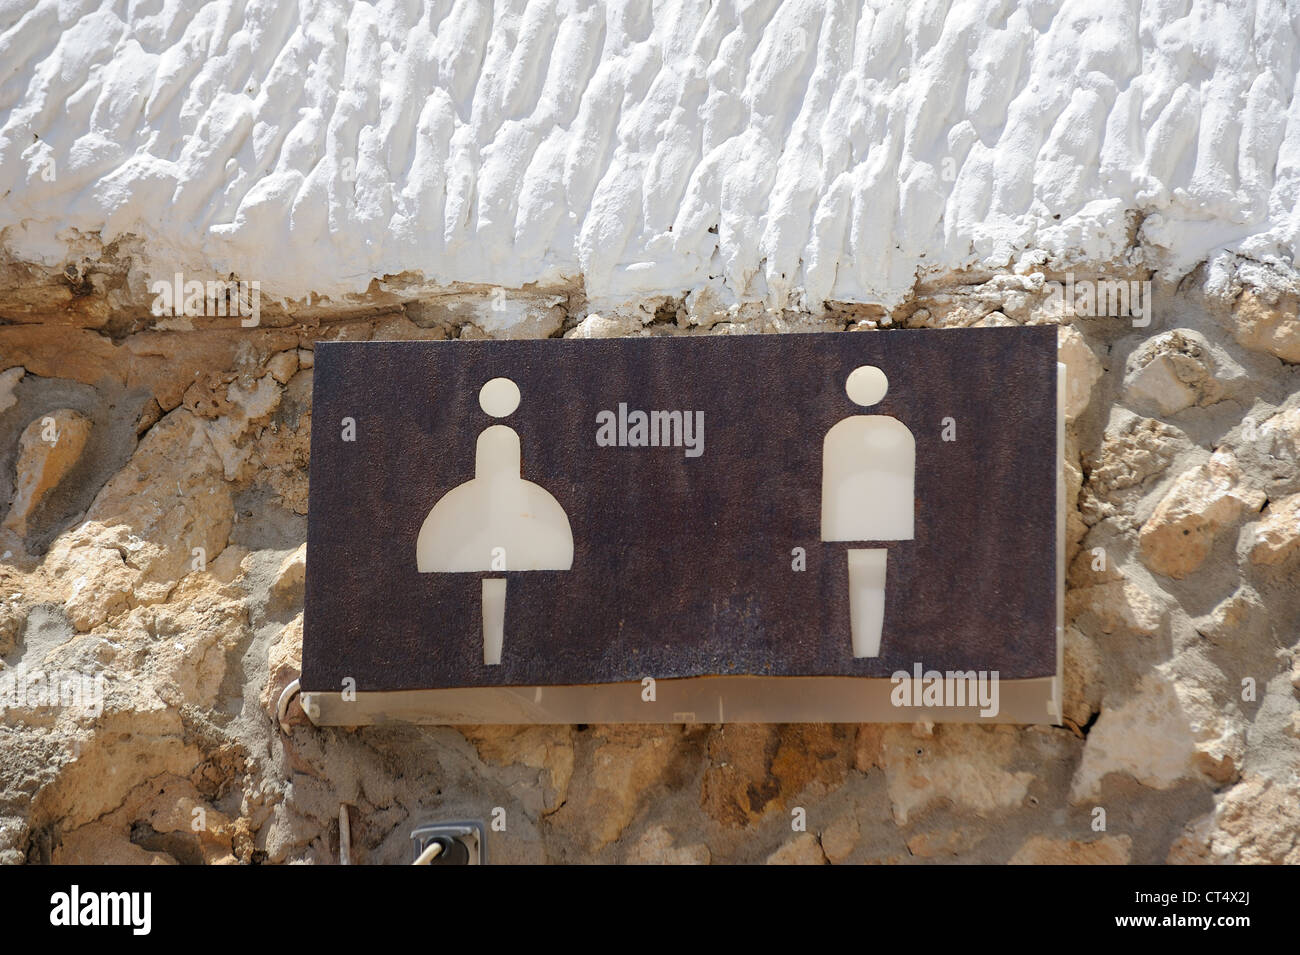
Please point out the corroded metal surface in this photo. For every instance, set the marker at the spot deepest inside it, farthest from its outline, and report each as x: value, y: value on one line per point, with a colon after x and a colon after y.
x: 683, y: 565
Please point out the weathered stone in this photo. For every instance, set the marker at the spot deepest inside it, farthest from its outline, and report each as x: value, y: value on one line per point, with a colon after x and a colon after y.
x: 1217, y: 727
x: 1083, y: 687
x: 229, y: 564
x: 1007, y: 296
x: 627, y: 764
x: 47, y: 450
x: 9, y: 379
x: 245, y: 403
x: 291, y: 577
x: 756, y: 769
x: 1092, y: 566
x: 1228, y: 616
x: 548, y: 748
x: 176, y: 806
x: 1075, y: 527
x: 655, y: 847
x: 965, y: 765
x: 705, y: 307
x: 194, y: 660
x: 1176, y: 370
x: 1256, y: 822
x: 1176, y: 539
x: 283, y: 666
x: 177, y: 819
x: 1082, y: 370
x: 1268, y: 323
x: 140, y: 534
x: 136, y: 738
x: 14, y: 835
x: 1148, y: 737
x: 1277, y: 536
x: 281, y: 450
x: 283, y: 366
x: 510, y: 317
x: 803, y: 849
x: 943, y: 843
x: 1157, y: 387
x: 1105, y: 850
x: 98, y: 844
x: 840, y: 838
x: 189, y: 641
x: 12, y: 619
x: 93, y: 574
x: 162, y: 364
x: 1132, y: 453
x: 469, y: 332
x: 597, y: 326
x: 866, y: 746
x: 1119, y: 605
x: 1280, y: 433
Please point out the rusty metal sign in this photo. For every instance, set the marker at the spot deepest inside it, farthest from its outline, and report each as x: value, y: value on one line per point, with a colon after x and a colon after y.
x: 564, y: 513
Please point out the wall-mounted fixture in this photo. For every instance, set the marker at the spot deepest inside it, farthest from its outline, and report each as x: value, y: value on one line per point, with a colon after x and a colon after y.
x: 834, y: 527
x: 449, y: 843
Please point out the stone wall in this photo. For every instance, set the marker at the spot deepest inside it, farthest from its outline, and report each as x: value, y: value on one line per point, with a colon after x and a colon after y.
x: 153, y: 501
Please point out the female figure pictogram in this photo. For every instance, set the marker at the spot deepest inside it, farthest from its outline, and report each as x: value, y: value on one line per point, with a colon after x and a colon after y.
x: 497, y: 521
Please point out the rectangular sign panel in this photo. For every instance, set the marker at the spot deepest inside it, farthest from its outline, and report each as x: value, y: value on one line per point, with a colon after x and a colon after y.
x: 608, y: 530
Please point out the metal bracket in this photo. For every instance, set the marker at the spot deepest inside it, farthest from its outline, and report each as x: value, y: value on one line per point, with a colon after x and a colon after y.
x: 282, y: 706
x: 463, y: 843
x: 307, y: 701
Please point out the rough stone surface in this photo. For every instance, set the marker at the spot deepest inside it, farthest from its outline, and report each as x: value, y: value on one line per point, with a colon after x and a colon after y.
x: 1131, y: 454
x: 1277, y: 536
x: 968, y: 767
x: 178, y: 580
x: 1082, y: 369
x: 1117, y: 606
x: 627, y: 765
x: 801, y: 850
x: 758, y: 770
x: 1108, y: 850
x: 1178, y: 369
x: 1267, y: 322
x: 655, y: 847
x: 463, y: 171
x: 1177, y: 538
x: 1256, y: 822
x: 47, y: 451
x: 1082, y: 678
x: 1150, y: 738
x: 840, y: 838
x: 9, y: 378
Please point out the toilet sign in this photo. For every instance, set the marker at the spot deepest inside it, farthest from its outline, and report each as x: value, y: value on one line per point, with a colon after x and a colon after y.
x: 840, y: 527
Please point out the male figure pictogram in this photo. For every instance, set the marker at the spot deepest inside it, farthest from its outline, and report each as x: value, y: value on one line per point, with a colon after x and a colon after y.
x: 497, y: 521
x: 868, y: 488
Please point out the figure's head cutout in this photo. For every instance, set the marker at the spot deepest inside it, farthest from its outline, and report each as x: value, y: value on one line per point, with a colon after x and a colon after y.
x: 867, y: 384
x: 499, y: 397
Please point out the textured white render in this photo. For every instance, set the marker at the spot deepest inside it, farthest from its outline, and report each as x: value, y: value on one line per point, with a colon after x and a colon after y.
x: 790, y: 152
